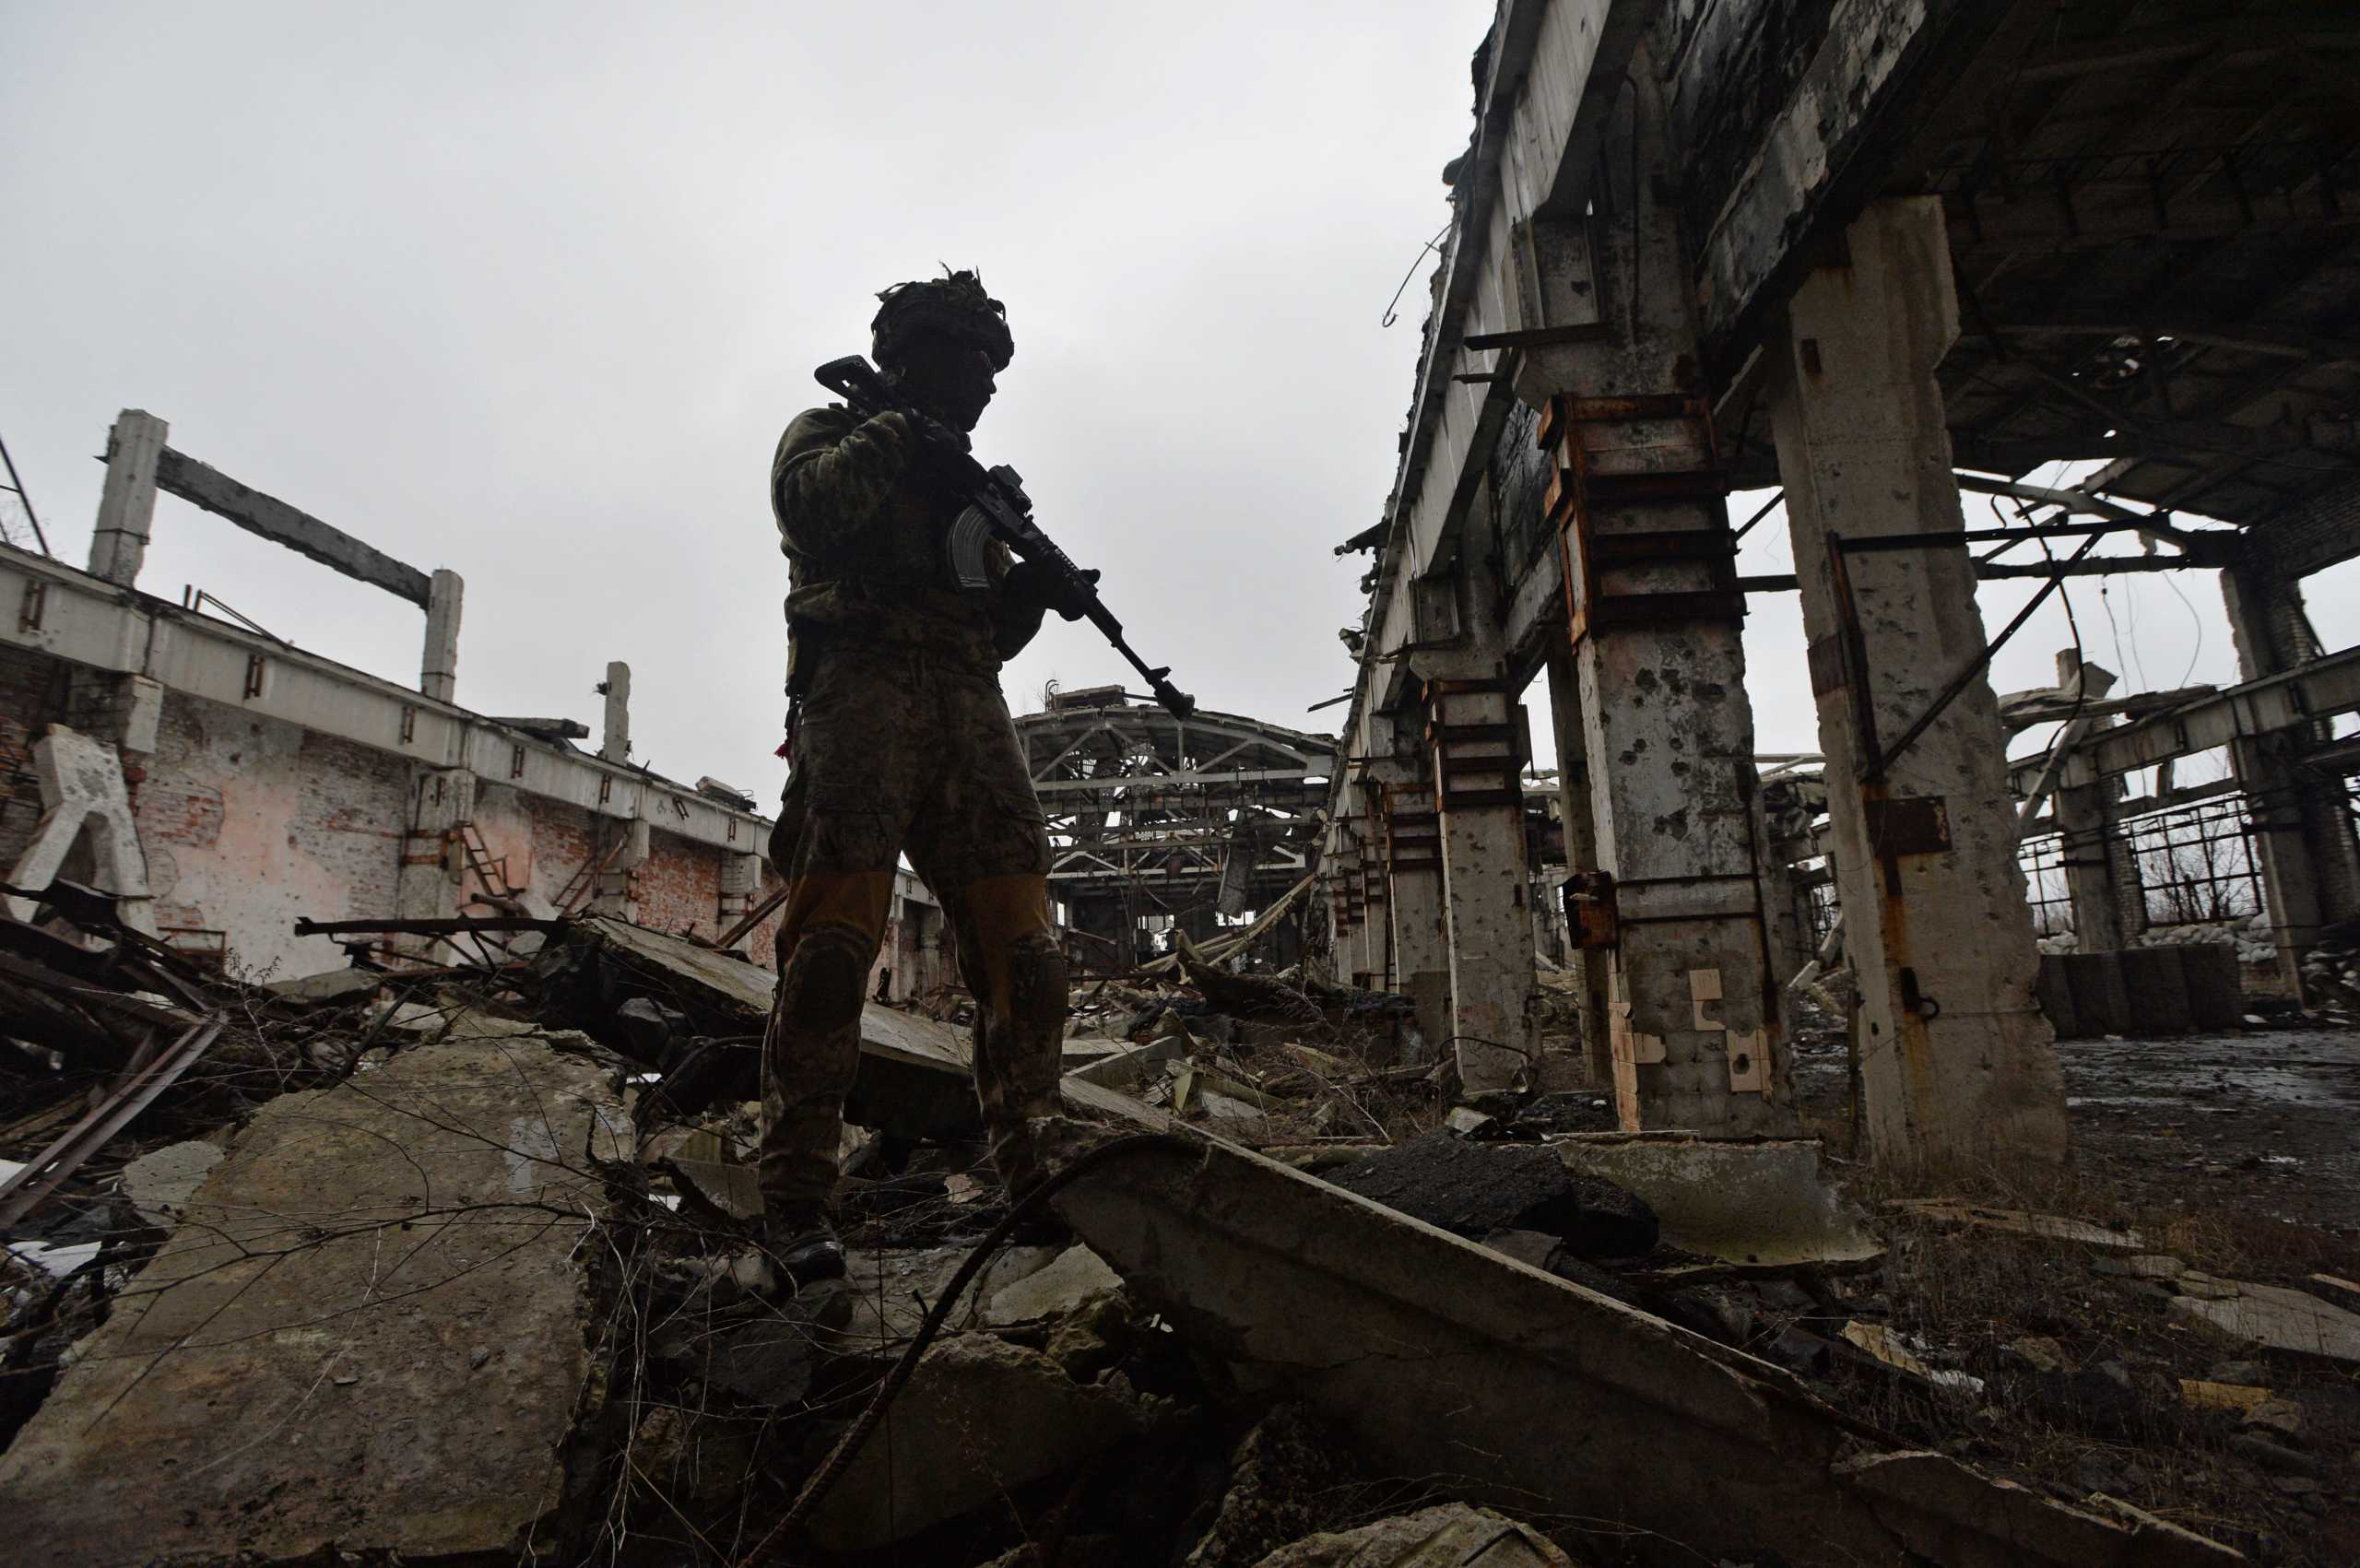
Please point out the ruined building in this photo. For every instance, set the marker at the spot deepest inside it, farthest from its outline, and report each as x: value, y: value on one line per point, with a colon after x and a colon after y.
x: 1901, y: 252
x: 1667, y: 1160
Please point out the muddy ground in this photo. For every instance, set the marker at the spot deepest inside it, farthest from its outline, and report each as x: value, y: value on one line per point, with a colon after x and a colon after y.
x: 2268, y: 1120
x: 2237, y: 1155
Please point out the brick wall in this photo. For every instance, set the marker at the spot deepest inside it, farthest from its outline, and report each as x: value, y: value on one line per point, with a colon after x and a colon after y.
x: 679, y: 889
x: 2311, y: 535
x: 249, y: 823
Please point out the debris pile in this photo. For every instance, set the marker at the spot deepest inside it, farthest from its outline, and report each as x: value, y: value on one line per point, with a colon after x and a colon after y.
x: 450, y: 1257
x: 2331, y: 976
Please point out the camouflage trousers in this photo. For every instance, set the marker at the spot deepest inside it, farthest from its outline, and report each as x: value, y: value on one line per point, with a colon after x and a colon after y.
x: 899, y: 749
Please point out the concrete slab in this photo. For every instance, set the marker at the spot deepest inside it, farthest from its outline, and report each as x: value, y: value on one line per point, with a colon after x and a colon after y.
x: 160, y: 1182
x: 980, y: 1416
x: 2022, y: 1222
x: 2054, y: 991
x: 2276, y: 1318
x: 1755, y: 1203
x: 331, y: 986
x: 891, y: 1291
x: 914, y: 1078
x: 1131, y: 1067
x: 292, y: 1377
x: 1452, y: 1536
x: 1441, y: 1356
x: 1076, y: 1275
x: 2156, y: 980
x: 2216, y: 997
x: 2101, y: 1005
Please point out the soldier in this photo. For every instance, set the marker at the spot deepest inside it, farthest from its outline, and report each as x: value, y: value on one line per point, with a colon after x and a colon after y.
x: 901, y: 741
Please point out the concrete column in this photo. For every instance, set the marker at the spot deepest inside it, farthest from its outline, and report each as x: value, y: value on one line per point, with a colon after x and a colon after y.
x: 1577, y: 809
x: 1695, y: 1026
x: 617, y: 892
x: 741, y: 882
x: 1954, y: 1057
x: 125, y: 710
x: 1376, y: 888
x: 128, y: 499
x: 1334, y: 911
x: 2101, y: 872
x: 613, y: 739
x: 1472, y: 737
x: 1420, y: 924
x: 2303, y: 837
x: 432, y: 865
x: 438, y: 670
x: 1352, y: 947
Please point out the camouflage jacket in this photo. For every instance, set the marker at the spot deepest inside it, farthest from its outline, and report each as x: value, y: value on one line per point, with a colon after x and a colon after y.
x: 864, y: 536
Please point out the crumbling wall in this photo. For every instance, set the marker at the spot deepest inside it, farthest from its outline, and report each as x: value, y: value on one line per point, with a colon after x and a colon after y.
x: 535, y: 852
x: 30, y: 698
x: 680, y: 888
x: 249, y: 823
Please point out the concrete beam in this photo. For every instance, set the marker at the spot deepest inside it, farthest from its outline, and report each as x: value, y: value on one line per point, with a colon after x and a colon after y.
x: 1883, y: 71
x: 2303, y: 833
x: 2030, y: 218
x: 73, y: 615
x: 2318, y: 691
x: 1440, y: 1356
x: 273, y: 519
x: 127, y: 499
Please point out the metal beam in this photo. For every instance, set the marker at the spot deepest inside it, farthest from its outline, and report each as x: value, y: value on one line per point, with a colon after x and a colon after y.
x: 2218, y: 43
x: 2320, y: 689
x: 202, y: 485
x: 2031, y: 219
x: 2277, y: 342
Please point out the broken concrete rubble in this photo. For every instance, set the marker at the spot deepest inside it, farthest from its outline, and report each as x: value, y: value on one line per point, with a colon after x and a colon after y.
x: 160, y: 1182
x: 297, y: 1358
x: 1288, y: 1477
x: 2274, y: 1318
x: 1471, y: 1189
x: 720, y: 1399
x: 1760, y: 1203
x: 980, y: 1416
x: 1453, y: 1536
x: 1440, y: 1355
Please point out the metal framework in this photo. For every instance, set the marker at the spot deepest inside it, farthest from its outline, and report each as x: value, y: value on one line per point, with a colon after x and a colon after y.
x: 1151, y: 811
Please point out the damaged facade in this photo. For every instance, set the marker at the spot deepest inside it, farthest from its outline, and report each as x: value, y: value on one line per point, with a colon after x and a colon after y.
x: 260, y: 785
x: 1460, y: 1187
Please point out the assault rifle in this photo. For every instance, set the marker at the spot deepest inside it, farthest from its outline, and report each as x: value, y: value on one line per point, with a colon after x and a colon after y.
x: 997, y: 508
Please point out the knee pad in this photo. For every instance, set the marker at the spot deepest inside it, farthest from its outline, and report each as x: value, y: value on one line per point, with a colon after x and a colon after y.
x: 824, y: 980
x: 1037, y: 981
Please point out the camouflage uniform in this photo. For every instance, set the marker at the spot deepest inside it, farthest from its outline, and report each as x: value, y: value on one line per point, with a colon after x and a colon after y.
x: 903, y: 744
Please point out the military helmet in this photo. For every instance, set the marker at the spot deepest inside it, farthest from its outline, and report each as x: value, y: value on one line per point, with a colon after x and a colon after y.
x: 954, y: 306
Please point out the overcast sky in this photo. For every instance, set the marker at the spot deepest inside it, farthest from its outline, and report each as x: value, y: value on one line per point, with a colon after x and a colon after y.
x: 528, y: 290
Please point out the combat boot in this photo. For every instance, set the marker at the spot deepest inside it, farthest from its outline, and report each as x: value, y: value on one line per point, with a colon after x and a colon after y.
x: 803, y: 1246
x: 1050, y: 1144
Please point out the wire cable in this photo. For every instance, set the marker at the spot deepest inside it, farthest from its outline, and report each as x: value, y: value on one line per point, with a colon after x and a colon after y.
x: 1389, y: 316
x: 848, y: 1447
